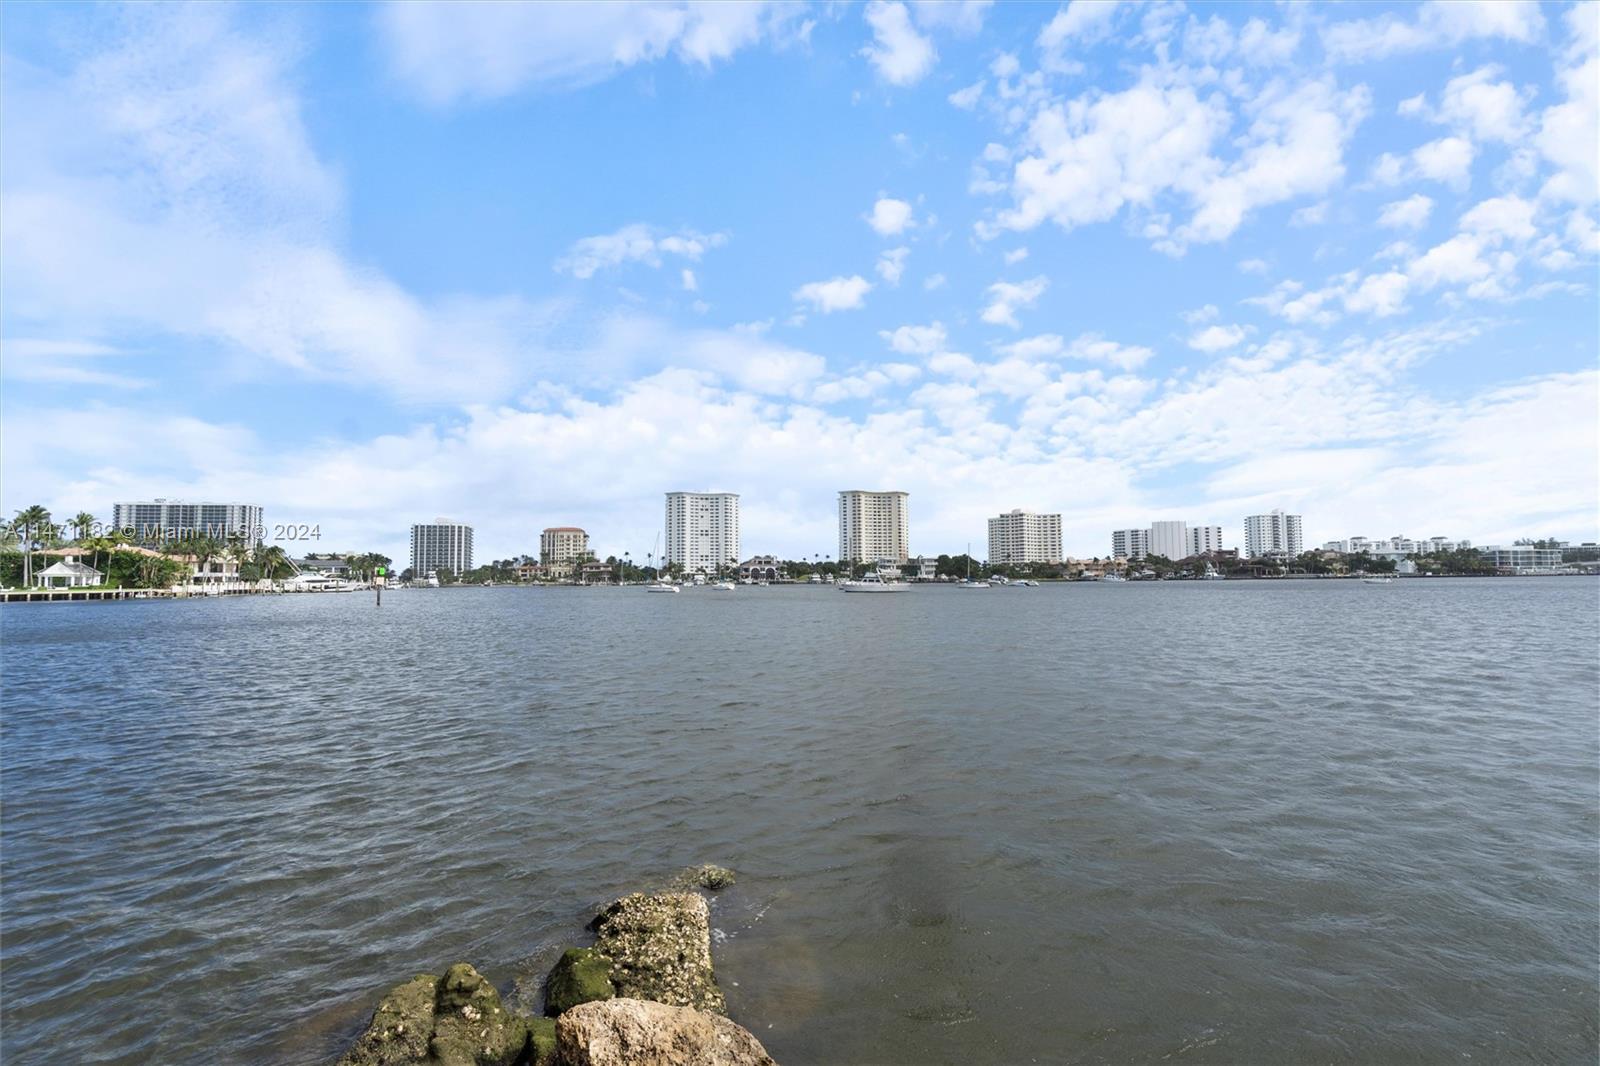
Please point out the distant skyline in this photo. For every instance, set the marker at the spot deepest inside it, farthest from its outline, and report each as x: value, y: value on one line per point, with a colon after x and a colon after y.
x: 536, y: 266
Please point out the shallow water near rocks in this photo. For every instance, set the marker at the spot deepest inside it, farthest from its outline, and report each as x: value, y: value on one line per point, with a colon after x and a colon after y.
x: 1220, y: 823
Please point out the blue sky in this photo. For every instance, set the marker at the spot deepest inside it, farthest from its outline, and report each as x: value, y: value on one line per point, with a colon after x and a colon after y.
x: 530, y: 266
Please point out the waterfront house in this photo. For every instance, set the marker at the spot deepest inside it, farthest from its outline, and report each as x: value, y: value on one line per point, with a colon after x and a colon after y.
x: 69, y: 573
x: 761, y: 568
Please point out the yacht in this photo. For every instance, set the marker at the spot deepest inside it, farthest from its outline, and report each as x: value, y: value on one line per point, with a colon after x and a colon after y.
x: 660, y: 586
x: 724, y: 586
x: 1113, y: 577
x: 1377, y: 580
x: 875, y: 581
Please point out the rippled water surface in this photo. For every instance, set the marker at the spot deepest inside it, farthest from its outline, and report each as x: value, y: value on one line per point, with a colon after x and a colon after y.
x: 1220, y: 823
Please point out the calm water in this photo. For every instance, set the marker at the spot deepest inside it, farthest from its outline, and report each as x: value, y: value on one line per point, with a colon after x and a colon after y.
x: 1224, y: 823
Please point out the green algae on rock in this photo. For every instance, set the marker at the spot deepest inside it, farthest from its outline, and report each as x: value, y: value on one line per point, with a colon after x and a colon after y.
x: 541, y: 1041
x: 581, y: 975
x: 454, y: 1020
x: 660, y: 949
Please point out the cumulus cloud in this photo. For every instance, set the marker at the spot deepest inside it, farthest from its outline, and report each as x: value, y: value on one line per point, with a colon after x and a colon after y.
x: 1218, y: 338
x: 890, y: 217
x: 835, y: 294
x: 637, y: 243
x: 900, y: 54
x: 1410, y: 213
x: 1007, y: 298
x: 892, y: 264
x: 916, y: 340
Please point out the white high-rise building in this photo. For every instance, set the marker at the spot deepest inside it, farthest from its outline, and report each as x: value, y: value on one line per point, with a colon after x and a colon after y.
x: 1023, y: 537
x: 443, y: 545
x: 1204, y: 539
x: 1170, y: 540
x: 874, y: 526
x: 1130, y: 543
x: 703, y: 530
x: 1272, y: 534
x: 165, y: 519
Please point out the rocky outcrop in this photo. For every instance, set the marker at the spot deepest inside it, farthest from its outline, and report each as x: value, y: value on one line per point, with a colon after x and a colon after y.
x: 636, y: 1032
x: 581, y: 975
x: 454, y: 1020
x: 660, y: 949
x: 644, y: 995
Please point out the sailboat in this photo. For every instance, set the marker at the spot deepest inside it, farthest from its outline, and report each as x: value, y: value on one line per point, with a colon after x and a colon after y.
x: 969, y: 583
x: 659, y: 584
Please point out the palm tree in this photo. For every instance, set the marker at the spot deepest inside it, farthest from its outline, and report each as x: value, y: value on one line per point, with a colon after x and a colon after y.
x: 273, y: 561
x: 83, y: 522
x: 30, y: 522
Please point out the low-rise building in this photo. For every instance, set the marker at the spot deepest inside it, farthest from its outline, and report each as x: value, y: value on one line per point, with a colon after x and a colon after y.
x: 761, y: 568
x: 922, y: 568
x: 1521, y: 558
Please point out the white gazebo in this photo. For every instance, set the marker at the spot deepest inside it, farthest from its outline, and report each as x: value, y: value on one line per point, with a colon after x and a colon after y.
x: 69, y: 573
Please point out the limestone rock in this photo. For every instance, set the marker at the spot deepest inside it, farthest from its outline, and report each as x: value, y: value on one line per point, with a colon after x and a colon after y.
x: 636, y: 1032
x: 581, y: 975
x: 660, y: 949
x: 454, y: 1020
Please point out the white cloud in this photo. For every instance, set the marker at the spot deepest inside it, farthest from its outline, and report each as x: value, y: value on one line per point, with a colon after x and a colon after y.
x: 916, y: 340
x: 1015, y: 256
x: 1569, y: 132
x: 448, y: 52
x: 901, y: 55
x: 1079, y: 22
x: 1439, y: 24
x: 835, y: 294
x: 1310, y: 215
x: 1096, y: 349
x: 957, y: 16
x: 892, y: 264
x: 1379, y: 295
x: 637, y: 243
x: 890, y: 217
x: 1218, y: 338
x: 690, y: 282
x: 1483, y: 107
x: 934, y: 281
x: 1502, y: 218
x: 967, y: 99
x: 1447, y: 160
x: 1087, y: 159
x: 1006, y: 298
x: 1410, y: 213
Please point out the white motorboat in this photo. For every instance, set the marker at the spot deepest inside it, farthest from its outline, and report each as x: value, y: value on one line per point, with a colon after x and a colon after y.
x: 1113, y: 577
x: 724, y: 586
x: 876, y: 581
x: 661, y: 586
x: 1377, y: 580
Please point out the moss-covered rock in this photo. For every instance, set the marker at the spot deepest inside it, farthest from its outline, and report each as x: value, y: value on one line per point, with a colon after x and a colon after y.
x: 401, y: 1026
x: 541, y: 1041
x: 581, y: 975
x: 470, y: 1026
x: 660, y: 949
x: 454, y: 1020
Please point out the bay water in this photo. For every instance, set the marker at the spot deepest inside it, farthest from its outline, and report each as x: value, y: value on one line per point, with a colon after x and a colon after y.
x: 1227, y: 822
